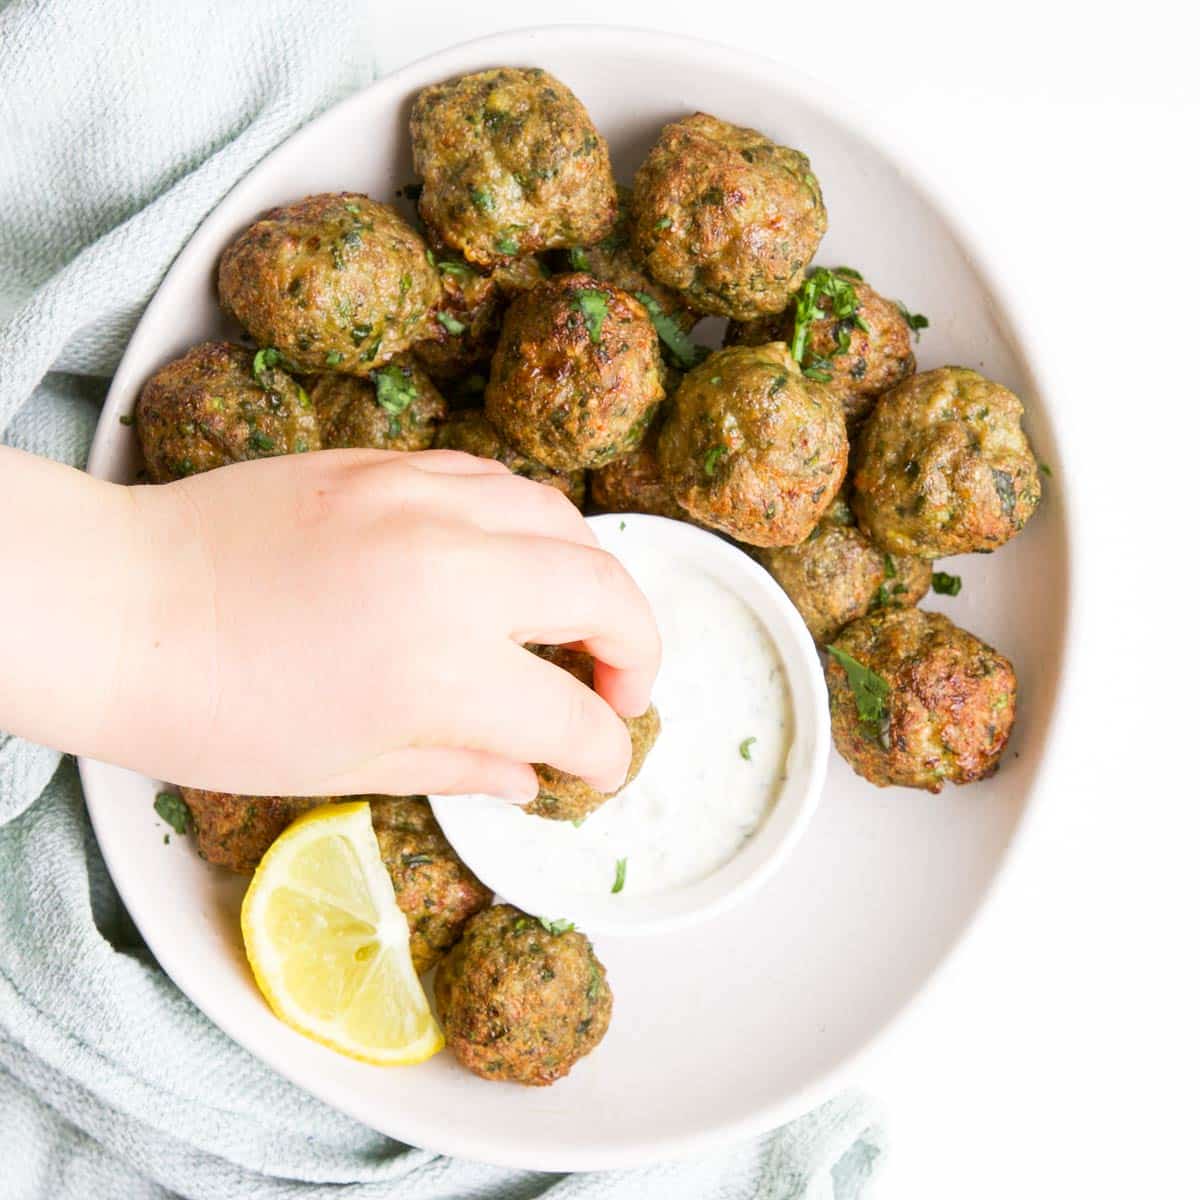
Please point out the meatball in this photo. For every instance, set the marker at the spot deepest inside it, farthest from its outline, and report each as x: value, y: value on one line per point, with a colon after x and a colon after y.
x: 943, y: 467
x: 334, y: 282
x: 613, y: 259
x: 753, y: 448
x: 466, y: 322
x: 221, y: 404
x: 838, y: 574
x: 940, y: 704
x: 726, y: 217
x: 399, y: 410
x: 471, y: 432
x: 856, y: 342
x: 563, y: 797
x: 522, y: 999
x: 511, y: 164
x: 577, y: 376
x: 435, y: 889
x: 634, y: 483
x: 236, y: 831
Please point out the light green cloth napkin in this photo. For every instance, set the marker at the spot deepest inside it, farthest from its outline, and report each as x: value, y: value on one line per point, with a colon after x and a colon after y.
x: 122, y: 123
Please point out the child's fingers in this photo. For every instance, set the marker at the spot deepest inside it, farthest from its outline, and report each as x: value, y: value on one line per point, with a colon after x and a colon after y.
x: 437, y: 770
x: 510, y: 504
x: 452, y: 462
x: 556, y: 592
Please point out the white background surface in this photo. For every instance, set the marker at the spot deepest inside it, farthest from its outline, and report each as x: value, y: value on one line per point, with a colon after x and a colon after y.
x: 1058, y: 1053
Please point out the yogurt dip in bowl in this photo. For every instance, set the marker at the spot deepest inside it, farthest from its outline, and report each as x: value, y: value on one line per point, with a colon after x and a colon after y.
x: 730, y: 784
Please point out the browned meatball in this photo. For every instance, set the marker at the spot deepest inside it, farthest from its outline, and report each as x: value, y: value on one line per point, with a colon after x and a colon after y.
x: 511, y: 164
x: 938, y: 704
x: 334, y: 282
x: 399, y: 410
x: 726, y: 217
x: 614, y: 260
x: 564, y: 797
x: 522, y: 999
x: 221, y: 404
x: 435, y: 889
x: 577, y: 376
x: 471, y: 432
x: 634, y: 483
x: 942, y: 466
x: 753, y: 448
x: 856, y: 342
x: 838, y: 574
x: 465, y: 325
x: 236, y: 831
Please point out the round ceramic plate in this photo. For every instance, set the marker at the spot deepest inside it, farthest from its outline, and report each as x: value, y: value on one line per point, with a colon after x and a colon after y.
x: 735, y: 1025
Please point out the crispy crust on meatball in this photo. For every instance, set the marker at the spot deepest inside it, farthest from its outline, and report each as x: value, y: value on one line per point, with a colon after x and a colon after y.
x: 401, y: 414
x: 520, y: 1003
x: 837, y: 574
x: 564, y: 797
x: 334, y: 282
x: 634, y: 483
x: 207, y: 409
x: 753, y: 448
x: 726, y: 217
x: 950, y: 703
x: 578, y: 376
x: 860, y: 363
x: 471, y: 432
x: 511, y: 164
x: 435, y: 889
x: 236, y: 831
x: 942, y: 466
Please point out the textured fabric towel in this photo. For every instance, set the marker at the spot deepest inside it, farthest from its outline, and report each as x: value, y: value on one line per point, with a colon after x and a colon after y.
x: 122, y: 122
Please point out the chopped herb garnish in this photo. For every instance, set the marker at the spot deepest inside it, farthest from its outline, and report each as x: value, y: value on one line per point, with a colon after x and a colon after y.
x: 171, y: 807
x: 578, y: 822
x: 451, y: 324
x: 333, y: 358
x: 663, y: 223
x: 744, y: 747
x: 507, y: 245
x: 594, y: 306
x: 416, y: 860
x: 714, y: 456
x: 482, y: 199
x: 353, y: 208
x: 619, y: 882
x: 458, y: 269
x: 126, y: 419
x: 556, y: 927
x: 578, y: 259
x: 261, y: 442
x: 849, y: 272
x: 946, y: 584
x: 622, y: 526
x: 824, y: 294
x: 1045, y: 469
x: 915, y: 321
x: 889, y: 567
x: 395, y: 389
x: 870, y: 691
x: 265, y: 360
x: 681, y: 349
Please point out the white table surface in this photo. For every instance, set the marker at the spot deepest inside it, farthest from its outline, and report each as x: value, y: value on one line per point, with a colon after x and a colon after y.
x: 1057, y: 1054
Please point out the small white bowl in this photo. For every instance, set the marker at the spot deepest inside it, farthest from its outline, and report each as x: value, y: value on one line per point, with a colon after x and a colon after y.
x: 550, y: 868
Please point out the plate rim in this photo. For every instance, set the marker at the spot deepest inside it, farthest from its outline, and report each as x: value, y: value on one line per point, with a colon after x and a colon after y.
x: 1029, y: 347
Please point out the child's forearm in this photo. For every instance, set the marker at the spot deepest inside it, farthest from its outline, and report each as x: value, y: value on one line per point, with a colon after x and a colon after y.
x: 70, y: 570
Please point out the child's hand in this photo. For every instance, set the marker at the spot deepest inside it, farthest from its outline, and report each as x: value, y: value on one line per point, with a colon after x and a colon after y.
x: 352, y: 621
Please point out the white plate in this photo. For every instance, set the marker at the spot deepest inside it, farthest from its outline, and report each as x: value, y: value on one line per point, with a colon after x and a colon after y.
x: 735, y: 1025
x: 554, y: 870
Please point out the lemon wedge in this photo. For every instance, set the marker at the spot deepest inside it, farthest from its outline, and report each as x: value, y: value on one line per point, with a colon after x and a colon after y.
x: 329, y: 946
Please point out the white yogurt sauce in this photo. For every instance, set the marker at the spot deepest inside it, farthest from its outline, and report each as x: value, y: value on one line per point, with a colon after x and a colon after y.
x: 698, y: 799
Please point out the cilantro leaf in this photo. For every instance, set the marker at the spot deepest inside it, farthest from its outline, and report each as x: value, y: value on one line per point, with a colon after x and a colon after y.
x: 870, y: 691
x: 395, y: 389
x: 744, y: 748
x: 915, y: 321
x: 619, y: 881
x: 172, y: 808
x: 945, y: 584
x: 594, y: 306
x: 685, y: 353
x: 556, y: 927
x: 451, y: 324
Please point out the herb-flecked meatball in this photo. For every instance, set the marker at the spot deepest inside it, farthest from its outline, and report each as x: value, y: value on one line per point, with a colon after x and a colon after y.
x: 435, y: 889
x: 564, y: 797
x: 942, y: 466
x: 465, y: 325
x: 855, y: 341
x: 614, y: 260
x: 471, y: 432
x: 399, y: 410
x: 947, y: 704
x: 726, y: 217
x: 837, y: 574
x: 577, y: 377
x: 753, y: 448
x: 336, y: 282
x: 519, y: 1001
x: 634, y: 483
x: 236, y: 831
x: 211, y: 408
x: 510, y: 164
